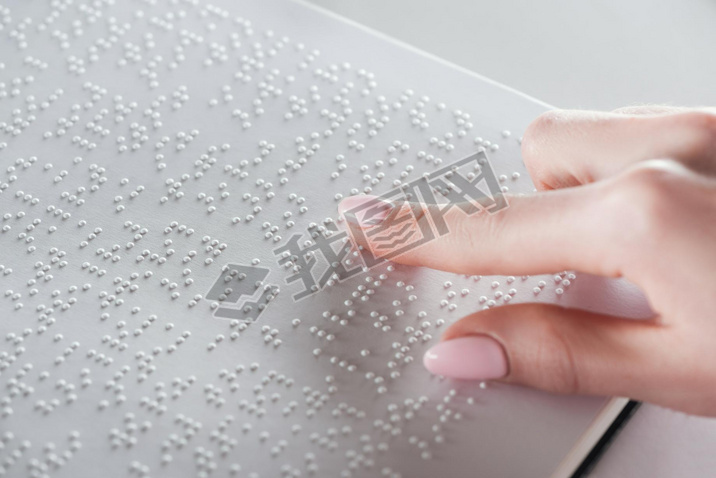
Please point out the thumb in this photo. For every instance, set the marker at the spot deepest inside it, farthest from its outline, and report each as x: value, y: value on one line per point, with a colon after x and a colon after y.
x: 556, y: 349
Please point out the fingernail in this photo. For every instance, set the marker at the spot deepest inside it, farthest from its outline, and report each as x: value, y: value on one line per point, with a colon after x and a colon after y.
x: 476, y: 357
x: 365, y: 210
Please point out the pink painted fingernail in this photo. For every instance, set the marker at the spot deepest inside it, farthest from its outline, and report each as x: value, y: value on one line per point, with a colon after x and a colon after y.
x: 365, y: 210
x: 477, y: 357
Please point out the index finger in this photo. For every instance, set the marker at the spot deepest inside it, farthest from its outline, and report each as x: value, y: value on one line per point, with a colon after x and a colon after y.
x: 540, y: 233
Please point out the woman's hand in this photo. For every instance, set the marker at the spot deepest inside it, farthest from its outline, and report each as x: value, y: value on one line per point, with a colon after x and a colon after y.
x: 625, y: 194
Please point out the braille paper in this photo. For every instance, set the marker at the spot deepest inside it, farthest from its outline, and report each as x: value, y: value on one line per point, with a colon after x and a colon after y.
x: 153, y: 151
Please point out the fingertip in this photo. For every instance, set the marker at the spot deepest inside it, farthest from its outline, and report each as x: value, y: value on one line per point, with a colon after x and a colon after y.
x: 365, y: 210
x: 477, y: 357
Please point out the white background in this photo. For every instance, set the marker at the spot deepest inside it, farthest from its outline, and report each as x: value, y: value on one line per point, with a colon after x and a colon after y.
x: 600, y: 54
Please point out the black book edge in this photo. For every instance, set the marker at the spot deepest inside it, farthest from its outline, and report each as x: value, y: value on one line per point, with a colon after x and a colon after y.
x: 606, y: 440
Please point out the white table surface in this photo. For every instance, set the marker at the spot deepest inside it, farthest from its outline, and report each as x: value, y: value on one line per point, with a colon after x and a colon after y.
x: 601, y: 55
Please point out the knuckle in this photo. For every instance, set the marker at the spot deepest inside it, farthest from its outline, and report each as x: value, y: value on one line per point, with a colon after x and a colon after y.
x: 562, y: 375
x: 702, y: 128
x: 537, y: 135
x: 702, y: 120
x: 640, y: 204
x: 549, y: 364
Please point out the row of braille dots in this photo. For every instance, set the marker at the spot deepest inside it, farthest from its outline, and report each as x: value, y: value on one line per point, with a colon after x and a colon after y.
x: 5, y: 17
x: 17, y: 34
x: 418, y: 117
x: 132, y: 195
x: 62, y: 38
x: 97, y: 93
x: 271, y: 230
x: 331, y: 73
x: 103, y: 45
x: 57, y: 303
x: 132, y: 55
x: 250, y: 64
x: 270, y: 377
x: 401, y: 356
x: 112, y: 385
x: 206, y: 160
x: 19, y: 123
x: 562, y: 281
x: 254, y: 201
x: 13, y: 456
x: 6, y: 358
x: 315, y: 400
x: 178, y: 386
x: 94, y: 126
x: 337, y: 119
x: 51, y: 461
x: 177, y: 59
x: 69, y: 390
x: 136, y: 468
x: 121, y: 110
x: 399, y: 416
x: 297, y: 106
x: 90, y: 14
x: 166, y: 23
x: 58, y: 7
x: 191, y: 428
x: 16, y: 387
x: 202, y: 196
x: 486, y: 301
x: 486, y: 144
x: 444, y: 143
x: 14, y: 86
x: 375, y: 125
x: 123, y: 333
x: 128, y: 436
x: 138, y: 137
x: 108, y: 298
x: 21, y: 214
x: 218, y: 55
x: 76, y: 66
x: 342, y: 103
x: 23, y: 236
x: 375, y: 181
x: 266, y: 149
x: 212, y: 247
x: 204, y: 462
x: 365, y: 458
x: 304, y: 153
x: 181, y: 229
x: 266, y: 90
x: 64, y: 124
x: 112, y: 255
x: 205, y: 10
x: 452, y: 294
x: 219, y: 436
x: 12, y: 170
x: 240, y: 325
x: 149, y: 70
x: 179, y: 98
x: 462, y: 122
